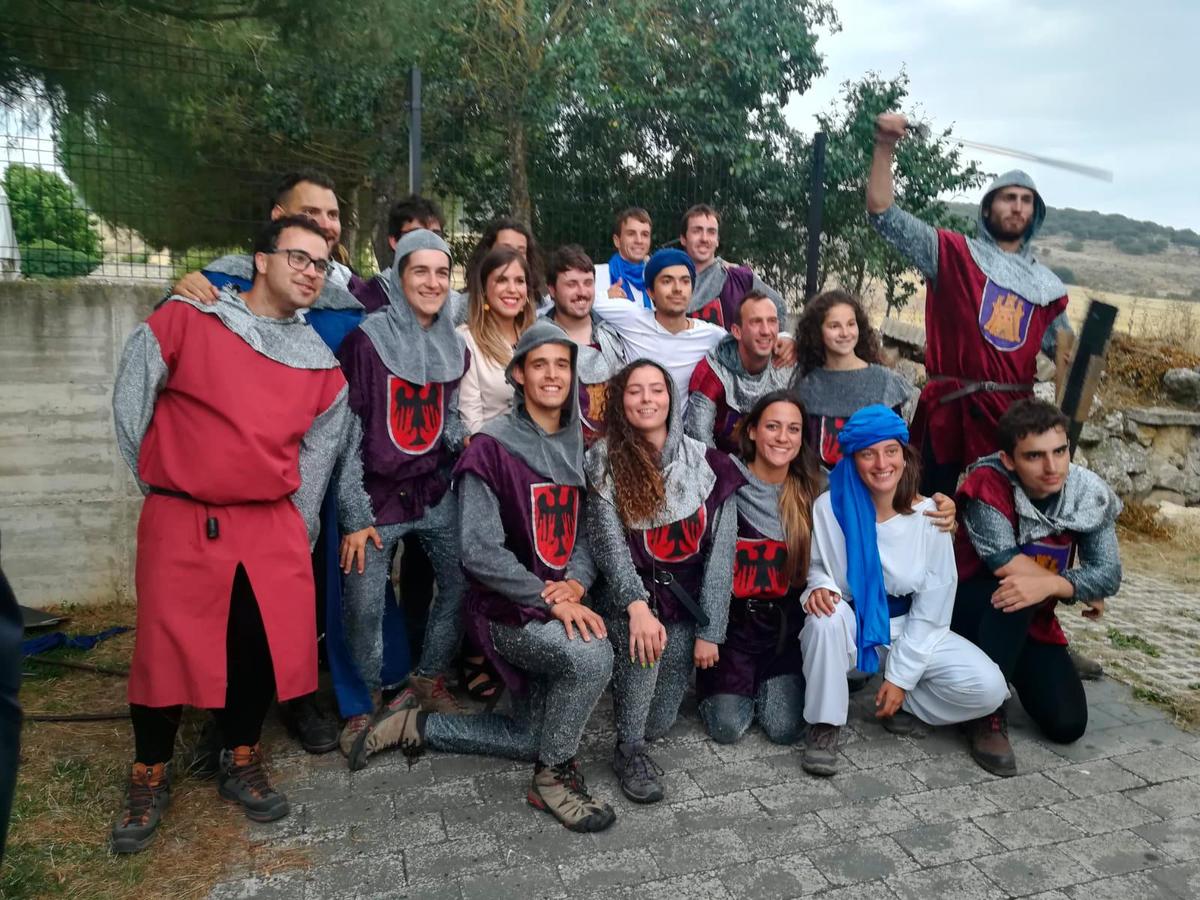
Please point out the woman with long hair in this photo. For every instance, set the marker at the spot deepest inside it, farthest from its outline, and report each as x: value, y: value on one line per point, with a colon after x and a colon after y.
x: 881, y: 584
x: 758, y: 673
x: 662, y: 521
x: 839, y: 370
x: 500, y: 308
x: 508, y: 232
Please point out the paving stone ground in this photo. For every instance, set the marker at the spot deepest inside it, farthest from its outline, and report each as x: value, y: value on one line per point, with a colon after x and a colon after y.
x: 1115, y: 815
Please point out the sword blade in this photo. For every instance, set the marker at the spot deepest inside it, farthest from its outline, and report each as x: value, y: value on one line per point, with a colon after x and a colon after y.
x: 923, y: 131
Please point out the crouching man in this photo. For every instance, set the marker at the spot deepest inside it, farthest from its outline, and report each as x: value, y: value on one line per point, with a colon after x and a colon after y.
x: 521, y: 488
x: 1028, y: 514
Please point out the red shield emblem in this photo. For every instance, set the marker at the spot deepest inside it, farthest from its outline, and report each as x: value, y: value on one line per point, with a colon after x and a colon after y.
x: 555, y: 511
x: 710, y: 312
x: 677, y: 541
x: 831, y: 450
x: 414, y: 415
x: 758, y: 569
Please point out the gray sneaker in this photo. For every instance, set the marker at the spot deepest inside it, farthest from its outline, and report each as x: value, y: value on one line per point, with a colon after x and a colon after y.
x: 638, y: 773
x: 902, y: 723
x: 820, y: 750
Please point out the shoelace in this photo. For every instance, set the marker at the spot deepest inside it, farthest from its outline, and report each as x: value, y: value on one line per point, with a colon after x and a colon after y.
x: 645, y: 768
x: 141, y: 799
x: 825, y: 739
x: 253, y: 774
x: 572, y: 777
x: 998, y: 724
x: 441, y: 692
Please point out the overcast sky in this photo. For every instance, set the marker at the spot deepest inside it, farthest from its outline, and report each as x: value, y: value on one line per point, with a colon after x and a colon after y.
x: 1108, y: 83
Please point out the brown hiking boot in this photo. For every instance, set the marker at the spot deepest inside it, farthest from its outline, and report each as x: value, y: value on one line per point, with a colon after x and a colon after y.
x: 244, y: 780
x: 352, y: 740
x: 820, y: 750
x: 397, y: 725
x: 146, y: 800
x: 561, y: 791
x: 433, y: 695
x: 990, y: 746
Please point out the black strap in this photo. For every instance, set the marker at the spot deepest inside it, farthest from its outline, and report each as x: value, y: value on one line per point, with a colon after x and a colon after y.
x: 668, y: 581
x: 167, y: 492
x: 212, y: 527
x: 975, y: 387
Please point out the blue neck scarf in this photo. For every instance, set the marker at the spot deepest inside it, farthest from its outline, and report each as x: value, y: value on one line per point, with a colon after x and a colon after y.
x: 632, y: 277
x: 855, y: 513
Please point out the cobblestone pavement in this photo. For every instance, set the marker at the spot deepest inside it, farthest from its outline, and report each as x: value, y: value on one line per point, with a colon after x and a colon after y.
x: 1115, y: 815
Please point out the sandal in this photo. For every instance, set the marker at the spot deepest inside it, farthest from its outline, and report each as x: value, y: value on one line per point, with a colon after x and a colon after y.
x: 476, y: 677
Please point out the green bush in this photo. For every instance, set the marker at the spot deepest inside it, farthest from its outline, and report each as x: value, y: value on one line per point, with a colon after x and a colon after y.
x: 44, y: 208
x: 1073, y: 246
x: 1067, y: 276
x: 47, y: 259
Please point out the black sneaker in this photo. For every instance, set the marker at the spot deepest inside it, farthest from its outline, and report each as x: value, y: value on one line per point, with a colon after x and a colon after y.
x: 638, y: 773
x: 308, y: 723
x: 820, y: 750
x: 146, y: 800
x: 902, y: 723
x: 244, y: 780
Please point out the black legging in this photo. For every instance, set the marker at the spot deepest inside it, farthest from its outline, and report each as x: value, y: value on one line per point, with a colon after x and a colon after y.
x: 10, y: 707
x: 250, y: 686
x: 1042, y: 674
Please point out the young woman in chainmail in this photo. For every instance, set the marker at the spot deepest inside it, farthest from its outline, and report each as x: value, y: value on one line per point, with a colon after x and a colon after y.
x: 662, y: 520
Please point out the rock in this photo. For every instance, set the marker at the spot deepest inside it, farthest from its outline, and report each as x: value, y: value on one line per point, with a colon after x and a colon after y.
x: 1143, y: 434
x: 1115, y: 461
x: 1046, y: 370
x: 1159, y: 496
x: 1183, y: 386
x: 1165, y: 476
x: 1172, y: 441
x: 1090, y: 435
x: 913, y: 371
x: 1114, y: 423
x: 1181, y: 518
x: 1044, y: 390
x: 1163, y: 415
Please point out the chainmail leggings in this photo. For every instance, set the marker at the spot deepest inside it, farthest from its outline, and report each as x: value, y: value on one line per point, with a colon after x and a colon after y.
x: 568, y: 677
x: 778, y: 705
x: 646, y: 700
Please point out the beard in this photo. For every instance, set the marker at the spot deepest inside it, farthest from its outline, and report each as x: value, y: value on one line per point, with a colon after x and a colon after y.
x: 1000, y: 233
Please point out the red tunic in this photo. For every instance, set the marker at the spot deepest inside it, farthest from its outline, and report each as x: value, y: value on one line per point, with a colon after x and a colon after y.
x: 978, y: 331
x: 226, y: 430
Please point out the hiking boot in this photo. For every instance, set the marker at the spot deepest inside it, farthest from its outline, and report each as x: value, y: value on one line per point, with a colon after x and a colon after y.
x: 244, y: 780
x: 352, y: 740
x: 990, y: 746
x: 433, y: 695
x: 902, y: 723
x: 397, y: 725
x: 146, y: 800
x: 561, y: 791
x: 1085, y: 667
x: 820, y: 749
x: 638, y: 773
x: 309, y: 724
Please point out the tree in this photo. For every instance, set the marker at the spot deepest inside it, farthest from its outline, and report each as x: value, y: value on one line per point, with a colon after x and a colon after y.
x: 44, y: 208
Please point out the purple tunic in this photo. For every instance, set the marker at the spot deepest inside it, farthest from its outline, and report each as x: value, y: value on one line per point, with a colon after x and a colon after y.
x: 369, y: 292
x: 404, y: 453
x: 540, y: 521
x: 750, y: 654
x: 723, y: 310
x: 682, y: 547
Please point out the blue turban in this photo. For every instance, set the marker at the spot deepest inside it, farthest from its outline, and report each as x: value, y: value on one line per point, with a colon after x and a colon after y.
x: 664, y: 259
x: 855, y: 513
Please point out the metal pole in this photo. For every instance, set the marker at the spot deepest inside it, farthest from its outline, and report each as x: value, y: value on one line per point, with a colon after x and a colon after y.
x: 414, y: 130
x: 816, y: 205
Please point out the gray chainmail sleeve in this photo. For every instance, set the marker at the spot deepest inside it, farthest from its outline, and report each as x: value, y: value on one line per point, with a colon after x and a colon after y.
x: 718, y: 573
x: 1098, y: 574
x: 700, y: 418
x: 140, y: 376
x: 320, y: 449
x: 606, y: 536
x: 484, y: 555
x: 355, y: 510
x: 455, y: 431
x: 1050, y: 338
x: 581, y: 566
x: 991, y: 534
x: 913, y: 239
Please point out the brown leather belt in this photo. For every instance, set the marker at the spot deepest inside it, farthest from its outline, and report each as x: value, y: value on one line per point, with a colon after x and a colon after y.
x: 975, y: 387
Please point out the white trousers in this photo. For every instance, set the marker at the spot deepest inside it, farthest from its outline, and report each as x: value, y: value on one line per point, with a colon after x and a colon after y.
x: 960, y: 682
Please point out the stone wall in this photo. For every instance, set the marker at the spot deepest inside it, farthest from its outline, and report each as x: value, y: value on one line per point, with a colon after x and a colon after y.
x: 1149, y: 454
x: 68, y: 505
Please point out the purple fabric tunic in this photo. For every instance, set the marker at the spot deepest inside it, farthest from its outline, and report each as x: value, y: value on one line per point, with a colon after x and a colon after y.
x: 540, y: 521
x: 750, y: 654
x: 369, y: 292
x: 682, y: 547
x: 404, y: 453
x: 723, y: 310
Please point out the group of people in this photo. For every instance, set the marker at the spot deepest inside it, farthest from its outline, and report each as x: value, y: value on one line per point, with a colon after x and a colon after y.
x: 620, y: 474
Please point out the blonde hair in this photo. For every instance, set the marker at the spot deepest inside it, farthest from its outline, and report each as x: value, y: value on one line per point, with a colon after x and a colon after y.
x: 482, y: 324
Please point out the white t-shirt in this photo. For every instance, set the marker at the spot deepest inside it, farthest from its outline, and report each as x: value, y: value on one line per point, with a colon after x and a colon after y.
x: 643, y: 337
x: 917, y: 559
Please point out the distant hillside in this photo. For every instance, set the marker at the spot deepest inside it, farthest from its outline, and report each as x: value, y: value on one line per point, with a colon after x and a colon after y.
x: 1112, y: 252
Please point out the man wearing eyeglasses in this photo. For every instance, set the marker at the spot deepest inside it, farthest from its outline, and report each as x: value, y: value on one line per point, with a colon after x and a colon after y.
x: 231, y: 416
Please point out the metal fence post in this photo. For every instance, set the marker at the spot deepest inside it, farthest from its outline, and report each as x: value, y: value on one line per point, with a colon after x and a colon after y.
x: 816, y: 205
x: 414, y: 130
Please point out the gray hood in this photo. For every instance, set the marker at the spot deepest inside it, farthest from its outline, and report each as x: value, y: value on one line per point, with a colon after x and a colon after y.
x: 417, y: 354
x: 1017, y: 271
x: 687, y: 477
x: 743, y: 389
x: 557, y: 456
x: 758, y: 504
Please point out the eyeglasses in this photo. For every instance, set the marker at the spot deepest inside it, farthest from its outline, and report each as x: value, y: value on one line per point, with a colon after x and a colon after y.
x: 299, y: 260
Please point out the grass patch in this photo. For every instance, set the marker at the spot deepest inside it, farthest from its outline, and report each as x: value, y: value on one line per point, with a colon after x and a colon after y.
x: 1138, y: 364
x: 1142, y: 519
x: 71, y: 783
x: 1123, y: 641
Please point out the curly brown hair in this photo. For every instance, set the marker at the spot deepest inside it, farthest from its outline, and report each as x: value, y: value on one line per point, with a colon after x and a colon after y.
x: 810, y: 341
x: 637, y: 478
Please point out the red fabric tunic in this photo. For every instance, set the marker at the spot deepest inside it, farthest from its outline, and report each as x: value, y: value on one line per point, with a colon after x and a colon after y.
x: 977, y: 330
x: 226, y: 430
x: 1054, y: 552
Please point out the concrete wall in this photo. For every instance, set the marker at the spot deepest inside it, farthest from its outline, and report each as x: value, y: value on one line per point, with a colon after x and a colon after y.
x: 68, y: 504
